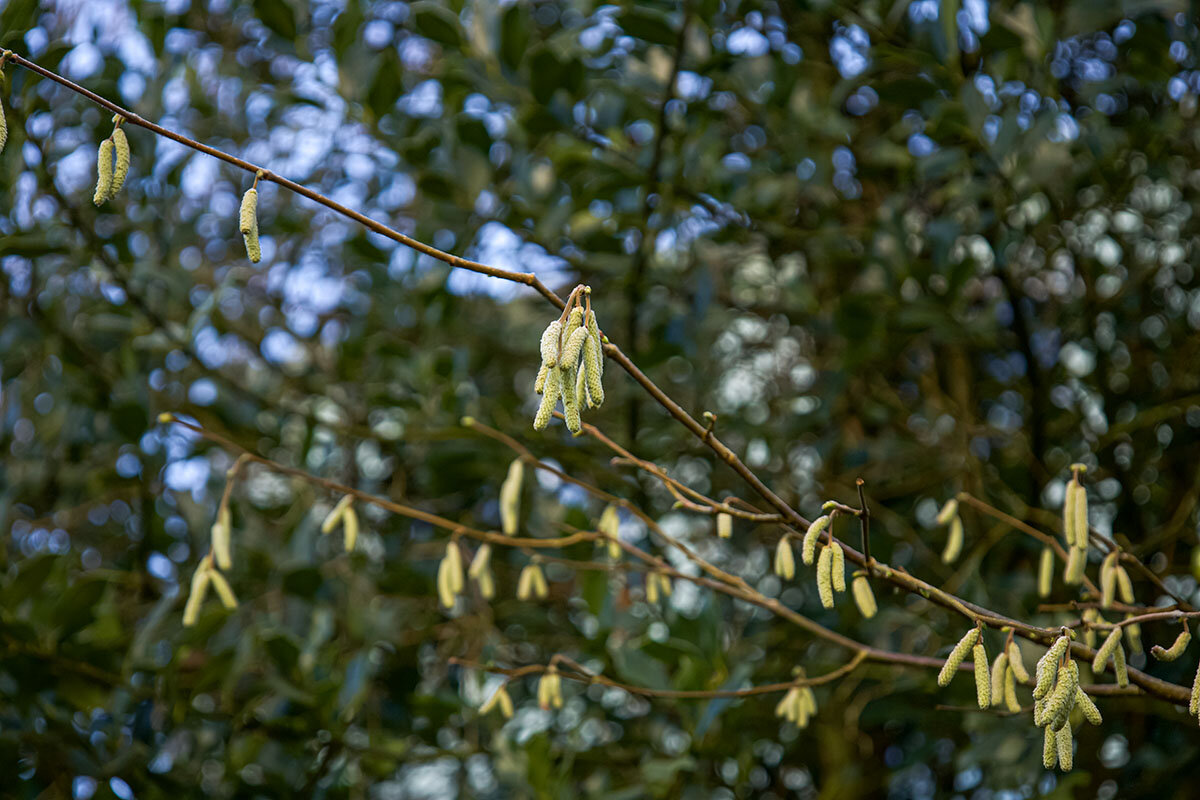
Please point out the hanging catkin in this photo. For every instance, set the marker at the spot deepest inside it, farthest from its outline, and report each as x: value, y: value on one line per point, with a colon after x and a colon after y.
x: 983, y: 685
x: 808, y: 547
x: 500, y: 699
x: 570, y: 399
x: 104, y: 172
x: 510, y: 497
x: 121, y: 167
x: 3, y: 128
x: 864, y: 597
x: 956, y: 657
x: 201, y: 579
x: 1069, y: 512
x: 610, y: 526
x: 550, y: 394
x: 954, y: 541
x: 999, y: 670
x: 838, y: 569
x: 350, y: 528
x: 1049, y: 749
x: 1124, y: 585
x: 248, y: 224
x: 725, y: 527
x: 1081, y: 514
x: 593, y: 368
x: 1107, y: 650
x: 223, y: 589
x: 1176, y: 650
x: 825, y: 577
x: 1015, y: 663
x: 785, y: 561
x: 221, y: 536
x: 1010, y: 691
x: 1064, y: 746
x: 1108, y: 580
x: 550, y: 344
x: 1047, y: 667
x: 1090, y: 712
x: 948, y: 511
x: 1194, y: 703
x: 1045, y: 571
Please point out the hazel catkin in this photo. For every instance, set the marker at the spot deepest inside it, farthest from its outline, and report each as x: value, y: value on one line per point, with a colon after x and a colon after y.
x: 808, y: 546
x: 864, y: 597
x: 1176, y: 649
x: 104, y: 174
x: 248, y: 224
x: 825, y: 576
x: 121, y: 166
x: 983, y: 686
x: 955, y: 659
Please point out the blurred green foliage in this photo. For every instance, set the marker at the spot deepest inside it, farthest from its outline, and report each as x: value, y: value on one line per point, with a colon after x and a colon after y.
x: 942, y: 246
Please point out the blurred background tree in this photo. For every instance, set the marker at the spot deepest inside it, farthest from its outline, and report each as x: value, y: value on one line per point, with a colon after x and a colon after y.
x: 942, y: 246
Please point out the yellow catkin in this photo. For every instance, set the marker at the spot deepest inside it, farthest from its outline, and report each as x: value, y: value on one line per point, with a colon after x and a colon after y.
x: 550, y: 690
x: 725, y: 527
x: 1194, y: 703
x: 550, y: 393
x: 446, y: 593
x: 1010, y: 691
x: 223, y: 589
x: 454, y: 559
x: 1047, y: 667
x: 335, y: 516
x: 480, y: 562
x: 550, y: 344
x: 1106, y: 650
x: 591, y: 370
x: 1049, y: 749
x: 201, y: 579
x: 1133, y: 635
x: 350, y: 528
x: 3, y: 128
x: 956, y: 657
x: 510, y: 497
x: 573, y: 348
x: 104, y: 166
x: 1062, y: 699
x: 999, y: 670
x: 1081, y: 519
x: 525, y: 584
x: 1076, y: 562
x: 1108, y: 580
x: 248, y: 224
x: 610, y: 526
x: 983, y: 683
x: 864, y: 598
x: 825, y: 577
x: 121, y: 166
x: 1090, y: 712
x: 597, y: 343
x: 574, y: 320
x: 540, y: 587
x: 808, y: 547
x: 221, y: 538
x: 1090, y: 615
x: 1039, y: 711
x: 1016, y: 663
x: 539, y: 383
x: 789, y: 708
x: 1120, y: 670
x: 570, y: 399
x: 954, y: 542
x: 948, y: 512
x: 1045, y: 571
x: 785, y: 560
x: 651, y: 588
x: 501, y: 700
x: 1176, y: 650
x: 1124, y: 585
x: 1063, y: 745
x: 838, y: 569
x: 1069, y: 513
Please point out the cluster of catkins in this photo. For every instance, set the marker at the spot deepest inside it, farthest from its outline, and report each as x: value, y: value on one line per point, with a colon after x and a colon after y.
x: 1075, y: 526
x: 208, y: 572
x: 572, y: 366
x: 830, y: 561
x: 1056, y: 694
x: 798, y: 705
x: 112, y: 164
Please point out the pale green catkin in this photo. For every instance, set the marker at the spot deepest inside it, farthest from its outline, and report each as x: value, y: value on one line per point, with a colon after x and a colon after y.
x: 825, y: 576
x: 1106, y: 650
x: 1124, y: 585
x: 955, y: 659
x: 948, y: 512
x: 1133, y: 635
x: 1090, y: 615
x: 1181, y: 643
x: 983, y: 685
x: 3, y: 128
x: 1047, y: 667
x: 104, y: 162
x: 549, y: 399
x: 1049, y: 749
x: 591, y: 369
x: 1064, y: 747
x: 1090, y: 712
x: 223, y: 589
x: 1010, y: 691
x: 570, y: 399
x: 573, y: 349
x: 1062, y: 699
x: 1076, y: 562
x: 999, y: 670
x: 582, y: 396
x: 838, y: 569
x: 1045, y: 571
x: 540, y: 382
x: 785, y: 561
x: 222, y: 533
x: 1039, y: 711
x: 808, y: 547
x: 864, y: 597
x: 610, y: 526
x: 954, y: 542
x: 1108, y: 580
x: 549, y: 344
x: 248, y: 224
x: 1194, y: 703
x: 510, y: 497
x: 1081, y: 519
x: 1016, y: 663
x: 1120, y: 670
x: 725, y: 528
x: 201, y: 579
x: 121, y: 168
x: 597, y: 342
x: 350, y: 527
x: 1069, y: 513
